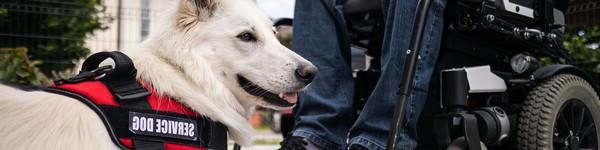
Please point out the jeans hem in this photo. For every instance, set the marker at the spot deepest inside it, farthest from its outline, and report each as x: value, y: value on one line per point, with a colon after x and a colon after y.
x: 366, y: 143
x: 315, y: 139
x: 371, y: 145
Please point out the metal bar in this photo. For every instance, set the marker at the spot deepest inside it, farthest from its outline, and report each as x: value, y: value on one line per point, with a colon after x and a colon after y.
x: 410, y: 66
x: 119, y: 7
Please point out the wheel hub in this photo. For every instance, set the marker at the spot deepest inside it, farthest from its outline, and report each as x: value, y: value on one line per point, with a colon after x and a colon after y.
x: 575, y: 127
x: 572, y: 142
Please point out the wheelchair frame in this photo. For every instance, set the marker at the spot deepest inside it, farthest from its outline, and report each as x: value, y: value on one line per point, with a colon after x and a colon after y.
x: 457, y: 84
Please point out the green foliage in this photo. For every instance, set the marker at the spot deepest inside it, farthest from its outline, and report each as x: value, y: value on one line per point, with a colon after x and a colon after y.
x: 3, y: 12
x: 582, y: 44
x: 53, y: 31
x: 18, y: 69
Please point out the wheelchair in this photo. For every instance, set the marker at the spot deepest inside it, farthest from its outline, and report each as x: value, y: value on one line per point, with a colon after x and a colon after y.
x: 502, y: 80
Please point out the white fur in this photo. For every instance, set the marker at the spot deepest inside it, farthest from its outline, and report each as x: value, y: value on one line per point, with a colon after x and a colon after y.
x: 194, y: 57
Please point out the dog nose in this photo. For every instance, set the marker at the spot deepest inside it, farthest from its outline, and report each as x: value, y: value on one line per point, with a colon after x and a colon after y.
x: 306, y: 73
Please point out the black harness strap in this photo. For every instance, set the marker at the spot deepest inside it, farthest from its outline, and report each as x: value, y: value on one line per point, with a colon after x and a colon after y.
x: 128, y: 92
x: 207, y: 128
x: 121, y: 81
x: 144, y: 143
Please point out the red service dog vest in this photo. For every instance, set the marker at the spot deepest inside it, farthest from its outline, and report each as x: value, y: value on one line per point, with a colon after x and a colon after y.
x: 135, y: 116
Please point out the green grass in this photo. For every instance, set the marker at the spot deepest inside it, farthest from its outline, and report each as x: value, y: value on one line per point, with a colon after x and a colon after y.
x: 263, y: 128
x: 267, y: 141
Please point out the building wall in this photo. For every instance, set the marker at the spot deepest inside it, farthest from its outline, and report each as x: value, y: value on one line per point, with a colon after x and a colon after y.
x: 583, y: 13
x: 131, y: 20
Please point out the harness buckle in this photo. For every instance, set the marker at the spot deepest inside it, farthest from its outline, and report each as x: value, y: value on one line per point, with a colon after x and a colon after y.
x: 85, y: 75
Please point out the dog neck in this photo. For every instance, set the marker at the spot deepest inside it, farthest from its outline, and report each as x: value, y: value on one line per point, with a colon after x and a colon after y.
x: 204, y: 93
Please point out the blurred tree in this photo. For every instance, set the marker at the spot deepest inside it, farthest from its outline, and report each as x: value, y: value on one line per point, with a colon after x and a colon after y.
x: 53, y: 31
x: 582, y: 43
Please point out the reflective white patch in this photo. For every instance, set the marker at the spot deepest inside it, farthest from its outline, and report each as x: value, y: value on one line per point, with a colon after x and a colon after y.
x: 162, y: 126
x: 522, y: 10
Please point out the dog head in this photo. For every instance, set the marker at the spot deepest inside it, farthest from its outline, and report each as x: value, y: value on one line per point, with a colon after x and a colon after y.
x: 238, y: 42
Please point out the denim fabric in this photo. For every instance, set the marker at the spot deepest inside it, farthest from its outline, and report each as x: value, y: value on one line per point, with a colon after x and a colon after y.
x: 324, y: 112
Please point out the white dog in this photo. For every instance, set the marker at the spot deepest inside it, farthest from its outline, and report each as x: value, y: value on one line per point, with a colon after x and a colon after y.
x: 219, y: 57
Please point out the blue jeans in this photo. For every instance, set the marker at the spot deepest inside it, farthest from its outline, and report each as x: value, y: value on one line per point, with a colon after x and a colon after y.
x: 324, y: 112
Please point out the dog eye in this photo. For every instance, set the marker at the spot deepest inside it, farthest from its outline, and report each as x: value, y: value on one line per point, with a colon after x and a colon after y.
x: 247, y: 37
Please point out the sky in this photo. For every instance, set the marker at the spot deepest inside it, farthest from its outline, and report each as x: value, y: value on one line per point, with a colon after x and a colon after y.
x: 276, y: 9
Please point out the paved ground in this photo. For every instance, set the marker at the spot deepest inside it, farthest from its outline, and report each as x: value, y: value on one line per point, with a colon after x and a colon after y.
x: 264, y: 140
x: 260, y: 147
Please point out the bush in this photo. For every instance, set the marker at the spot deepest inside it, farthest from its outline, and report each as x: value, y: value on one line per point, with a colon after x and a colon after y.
x: 18, y: 69
x: 53, y: 31
x: 582, y: 44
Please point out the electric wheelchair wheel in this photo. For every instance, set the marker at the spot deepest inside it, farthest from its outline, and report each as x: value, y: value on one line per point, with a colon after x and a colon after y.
x: 561, y: 113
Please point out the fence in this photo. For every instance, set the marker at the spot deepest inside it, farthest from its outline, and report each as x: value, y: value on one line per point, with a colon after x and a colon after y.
x: 55, y: 30
x: 46, y: 27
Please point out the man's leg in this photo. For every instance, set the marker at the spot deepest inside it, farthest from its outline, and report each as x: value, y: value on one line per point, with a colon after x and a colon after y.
x: 323, y: 115
x: 373, y: 125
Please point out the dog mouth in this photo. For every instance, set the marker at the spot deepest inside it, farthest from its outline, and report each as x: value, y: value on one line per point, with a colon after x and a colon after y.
x: 284, y: 99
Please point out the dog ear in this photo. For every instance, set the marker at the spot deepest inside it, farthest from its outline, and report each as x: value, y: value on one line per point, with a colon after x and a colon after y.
x: 194, y: 11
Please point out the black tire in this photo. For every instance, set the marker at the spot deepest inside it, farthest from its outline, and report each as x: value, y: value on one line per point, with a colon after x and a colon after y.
x: 552, y: 108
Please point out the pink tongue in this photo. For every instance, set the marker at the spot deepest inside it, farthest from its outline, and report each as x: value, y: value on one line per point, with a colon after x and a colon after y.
x: 291, y: 97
